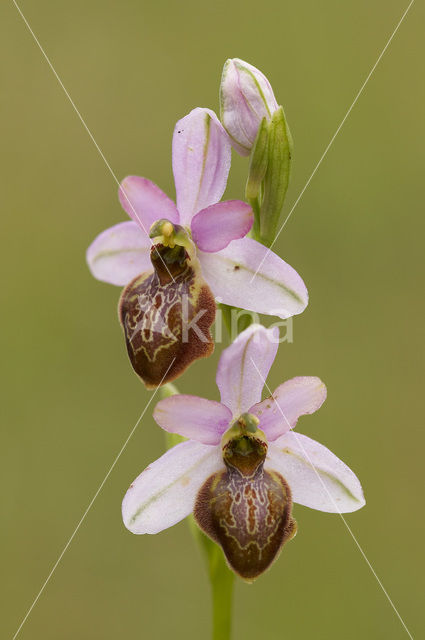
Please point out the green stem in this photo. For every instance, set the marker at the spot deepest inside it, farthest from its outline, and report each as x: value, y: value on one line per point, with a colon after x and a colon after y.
x: 222, y: 594
x: 222, y: 581
x: 226, y: 316
x: 243, y: 319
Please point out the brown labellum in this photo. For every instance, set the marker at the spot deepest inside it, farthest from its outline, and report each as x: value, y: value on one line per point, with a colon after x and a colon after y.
x: 166, y: 316
x: 246, y: 509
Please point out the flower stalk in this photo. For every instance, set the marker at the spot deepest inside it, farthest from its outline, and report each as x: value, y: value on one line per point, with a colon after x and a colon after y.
x: 222, y: 583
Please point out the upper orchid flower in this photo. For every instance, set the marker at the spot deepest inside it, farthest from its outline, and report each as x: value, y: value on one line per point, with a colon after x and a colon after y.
x: 242, y: 466
x: 246, y: 97
x: 201, y: 246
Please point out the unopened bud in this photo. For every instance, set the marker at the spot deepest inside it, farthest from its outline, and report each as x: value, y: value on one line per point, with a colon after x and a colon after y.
x: 246, y: 97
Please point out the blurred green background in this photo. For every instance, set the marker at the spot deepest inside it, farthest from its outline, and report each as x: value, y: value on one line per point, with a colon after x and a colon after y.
x: 70, y: 398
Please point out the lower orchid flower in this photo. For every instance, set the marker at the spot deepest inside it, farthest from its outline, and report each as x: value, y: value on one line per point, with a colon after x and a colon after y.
x: 201, y: 250
x: 242, y: 466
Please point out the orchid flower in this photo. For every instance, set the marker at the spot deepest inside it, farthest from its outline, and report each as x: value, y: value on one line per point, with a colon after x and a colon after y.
x: 242, y: 466
x: 201, y: 247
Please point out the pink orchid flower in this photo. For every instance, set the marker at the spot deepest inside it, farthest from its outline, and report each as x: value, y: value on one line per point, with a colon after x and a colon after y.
x: 242, y: 465
x: 201, y: 162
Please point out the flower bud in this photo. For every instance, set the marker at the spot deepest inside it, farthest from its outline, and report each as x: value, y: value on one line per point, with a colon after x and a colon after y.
x: 246, y: 97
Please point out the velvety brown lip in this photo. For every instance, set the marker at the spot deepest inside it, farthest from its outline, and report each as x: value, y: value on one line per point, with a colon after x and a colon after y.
x: 156, y: 310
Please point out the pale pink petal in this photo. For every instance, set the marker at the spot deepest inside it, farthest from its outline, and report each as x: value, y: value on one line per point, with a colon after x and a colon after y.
x: 166, y: 490
x: 145, y: 202
x: 119, y: 254
x: 276, y: 289
x: 317, y: 478
x: 201, y: 162
x: 194, y: 418
x: 244, y: 366
x: 292, y: 399
x: 216, y: 226
x: 239, y: 120
x: 246, y: 97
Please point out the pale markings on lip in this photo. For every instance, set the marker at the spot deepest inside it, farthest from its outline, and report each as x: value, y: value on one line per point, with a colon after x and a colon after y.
x: 249, y: 499
x: 151, y: 319
x: 249, y: 515
x: 163, y: 319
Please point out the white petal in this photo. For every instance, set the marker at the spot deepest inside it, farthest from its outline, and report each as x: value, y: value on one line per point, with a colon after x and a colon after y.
x: 318, y: 479
x: 276, y: 289
x: 166, y: 490
x: 244, y: 366
x: 120, y: 253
